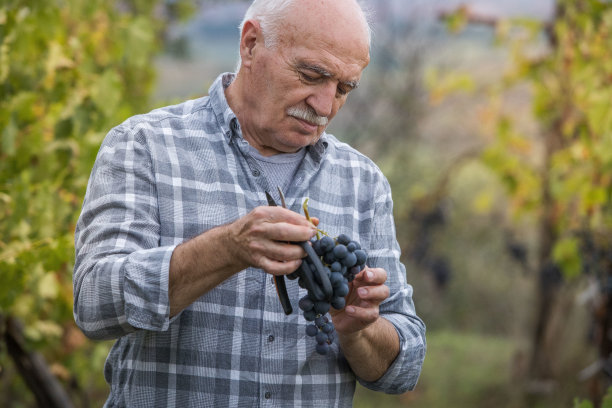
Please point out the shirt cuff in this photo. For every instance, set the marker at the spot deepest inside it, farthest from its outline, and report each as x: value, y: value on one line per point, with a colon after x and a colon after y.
x: 146, y: 278
x: 404, y: 371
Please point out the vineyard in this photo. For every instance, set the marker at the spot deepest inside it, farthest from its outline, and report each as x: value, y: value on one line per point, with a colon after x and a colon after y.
x: 501, y: 179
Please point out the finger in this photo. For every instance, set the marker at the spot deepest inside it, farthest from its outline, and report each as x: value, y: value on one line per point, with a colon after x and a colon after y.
x: 314, y: 220
x: 366, y: 315
x: 371, y: 276
x: 283, y: 231
x: 280, y: 214
x: 277, y: 250
x: 274, y: 267
x: 373, y: 294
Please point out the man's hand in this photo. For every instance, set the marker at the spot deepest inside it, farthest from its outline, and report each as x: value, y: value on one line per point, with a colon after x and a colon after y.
x: 366, y: 292
x: 369, y: 342
x: 261, y: 239
x: 258, y: 239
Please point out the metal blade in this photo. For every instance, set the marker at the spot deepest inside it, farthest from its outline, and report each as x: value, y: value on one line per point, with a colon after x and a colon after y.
x: 271, y: 201
x: 282, y: 197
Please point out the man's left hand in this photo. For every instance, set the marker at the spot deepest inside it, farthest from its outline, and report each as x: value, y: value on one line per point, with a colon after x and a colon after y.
x: 366, y: 292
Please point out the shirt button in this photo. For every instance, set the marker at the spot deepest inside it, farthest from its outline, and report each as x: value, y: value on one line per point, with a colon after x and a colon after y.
x: 267, y: 395
x: 270, y: 338
x: 256, y: 173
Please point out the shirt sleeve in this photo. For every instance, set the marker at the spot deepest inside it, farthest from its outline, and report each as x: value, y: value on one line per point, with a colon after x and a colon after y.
x: 121, y: 272
x: 398, y: 308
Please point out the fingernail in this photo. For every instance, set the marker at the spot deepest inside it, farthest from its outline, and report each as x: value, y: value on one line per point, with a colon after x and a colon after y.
x: 350, y: 309
x: 369, y: 275
x: 362, y: 291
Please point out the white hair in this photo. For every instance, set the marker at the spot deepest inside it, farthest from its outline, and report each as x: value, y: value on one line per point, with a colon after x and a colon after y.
x: 271, y: 14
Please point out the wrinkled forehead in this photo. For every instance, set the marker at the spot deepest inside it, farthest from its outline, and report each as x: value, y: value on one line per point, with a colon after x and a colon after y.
x: 332, y: 31
x: 339, y: 23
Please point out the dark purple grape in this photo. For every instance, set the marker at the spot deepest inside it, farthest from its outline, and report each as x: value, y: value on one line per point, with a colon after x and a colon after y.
x: 351, y: 246
x: 349, y: 260
x: 306, y: 303
x: 354, y: 270
x: 322, y: 348
x: 340, y: 251
x: 343, y: 239
x: 341, y: 291
x: 317, y: 248
x: 336, y: 279
x: 312, y: 330
x: 321, y: 320
x: 322, y: 307
x: 322, y: 337
x: 327, y: 244
x: 329, y: 257
x: 338, y: 303
x: 336, y: 266
x: 361, y: 256
x: 328, y: 328
x: 310, y: 315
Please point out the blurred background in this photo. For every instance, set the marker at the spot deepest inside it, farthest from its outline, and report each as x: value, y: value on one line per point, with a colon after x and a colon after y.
x: 492, y: 121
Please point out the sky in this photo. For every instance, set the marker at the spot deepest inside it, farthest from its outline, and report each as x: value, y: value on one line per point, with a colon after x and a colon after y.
x: 541, y: 9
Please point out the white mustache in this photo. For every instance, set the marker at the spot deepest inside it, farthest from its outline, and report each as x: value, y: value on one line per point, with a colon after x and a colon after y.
x: 308, y: 115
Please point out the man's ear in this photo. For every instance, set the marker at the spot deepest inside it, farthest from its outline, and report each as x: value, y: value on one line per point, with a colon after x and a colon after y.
x: 249, y: 39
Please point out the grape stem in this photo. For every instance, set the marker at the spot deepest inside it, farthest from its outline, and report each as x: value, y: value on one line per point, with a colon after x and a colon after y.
x: 307, y: 215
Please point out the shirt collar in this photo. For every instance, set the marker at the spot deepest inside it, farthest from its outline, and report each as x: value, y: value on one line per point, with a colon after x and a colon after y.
x: 229, y: 122
x: 225, y: 116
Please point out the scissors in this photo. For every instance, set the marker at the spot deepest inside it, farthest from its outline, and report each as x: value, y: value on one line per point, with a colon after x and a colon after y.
x: 320, y: 292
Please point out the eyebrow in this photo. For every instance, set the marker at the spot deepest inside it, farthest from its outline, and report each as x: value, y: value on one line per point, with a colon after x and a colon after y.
x: 323, y: 72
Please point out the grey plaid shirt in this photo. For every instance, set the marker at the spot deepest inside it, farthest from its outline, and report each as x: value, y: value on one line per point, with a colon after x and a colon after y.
x: 164, y: 177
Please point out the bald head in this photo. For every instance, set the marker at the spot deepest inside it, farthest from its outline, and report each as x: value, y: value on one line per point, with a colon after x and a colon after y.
x: 280, y: 18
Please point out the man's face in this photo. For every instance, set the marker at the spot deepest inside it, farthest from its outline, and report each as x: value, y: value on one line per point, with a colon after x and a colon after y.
x: 296, y: 88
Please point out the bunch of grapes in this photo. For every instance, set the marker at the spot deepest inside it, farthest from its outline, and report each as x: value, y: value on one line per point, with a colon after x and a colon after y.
x: 326, y: 274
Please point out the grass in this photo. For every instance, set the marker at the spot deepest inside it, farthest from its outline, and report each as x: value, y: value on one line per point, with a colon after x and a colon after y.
x: 460, y: 370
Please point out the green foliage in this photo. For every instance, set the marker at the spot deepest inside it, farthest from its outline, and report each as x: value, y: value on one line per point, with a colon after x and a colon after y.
x: 461, y: 370
x: 606, y: 403
x: 69, y: 71
x: 564, y: 173
x: 554, y: 160
x: 572, y: 92
x: 456, y: 21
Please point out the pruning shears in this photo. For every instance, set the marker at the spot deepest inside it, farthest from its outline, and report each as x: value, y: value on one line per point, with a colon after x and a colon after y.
x: 279, y: 280
x: 316, y: 279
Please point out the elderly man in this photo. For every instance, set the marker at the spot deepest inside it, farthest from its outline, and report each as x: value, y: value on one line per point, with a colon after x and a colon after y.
x: 176, y: 248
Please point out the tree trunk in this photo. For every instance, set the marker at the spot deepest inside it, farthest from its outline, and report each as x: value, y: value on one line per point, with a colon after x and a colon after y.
x: 33, y: 369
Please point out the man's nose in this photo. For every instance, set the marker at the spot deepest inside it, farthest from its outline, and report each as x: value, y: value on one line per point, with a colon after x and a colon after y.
x: 322, y: 99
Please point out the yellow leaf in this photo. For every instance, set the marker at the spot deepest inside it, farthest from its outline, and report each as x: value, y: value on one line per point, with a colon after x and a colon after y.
x: 483, y: 202
x: 48, y: 287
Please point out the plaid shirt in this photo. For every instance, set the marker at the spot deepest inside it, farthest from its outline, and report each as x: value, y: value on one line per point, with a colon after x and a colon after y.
x: 164, y: 177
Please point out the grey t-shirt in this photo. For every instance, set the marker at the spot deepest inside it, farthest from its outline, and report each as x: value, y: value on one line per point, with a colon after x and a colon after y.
x: 278, y: 169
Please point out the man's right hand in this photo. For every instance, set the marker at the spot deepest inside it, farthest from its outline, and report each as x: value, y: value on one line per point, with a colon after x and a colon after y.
x: 259, y: 239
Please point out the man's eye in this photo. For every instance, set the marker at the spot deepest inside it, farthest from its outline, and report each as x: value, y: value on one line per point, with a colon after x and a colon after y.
x: 307, y: 77
x: 342, y: 90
